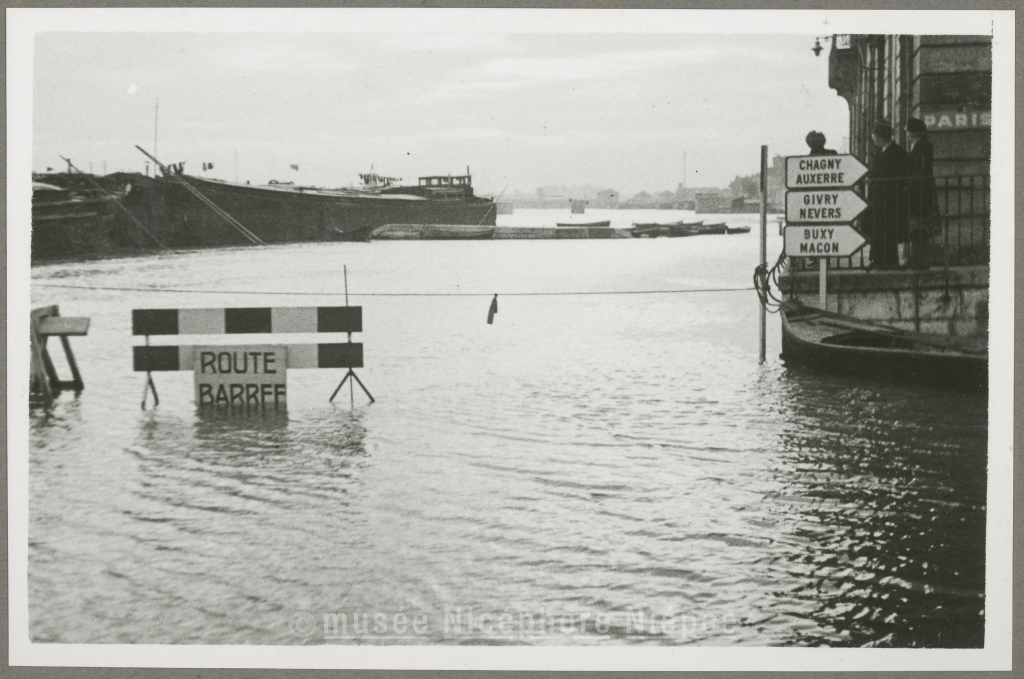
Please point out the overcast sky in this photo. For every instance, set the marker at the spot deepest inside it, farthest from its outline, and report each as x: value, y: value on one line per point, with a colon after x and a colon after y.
x: 522, y: 110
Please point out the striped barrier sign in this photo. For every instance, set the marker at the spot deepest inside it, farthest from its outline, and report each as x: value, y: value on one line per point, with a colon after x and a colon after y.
x: 246, y: 375
x: 247, y: 321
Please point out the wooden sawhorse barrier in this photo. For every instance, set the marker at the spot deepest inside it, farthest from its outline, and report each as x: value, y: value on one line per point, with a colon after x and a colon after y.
x: 47, y: 322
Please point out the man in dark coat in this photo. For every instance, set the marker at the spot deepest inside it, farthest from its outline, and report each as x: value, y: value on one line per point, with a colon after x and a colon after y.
x: 887, y: 196
x: 816, y: 142
x: 922, y: 206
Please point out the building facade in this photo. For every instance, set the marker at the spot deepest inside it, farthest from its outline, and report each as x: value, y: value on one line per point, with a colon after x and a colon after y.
x: 945, y: 81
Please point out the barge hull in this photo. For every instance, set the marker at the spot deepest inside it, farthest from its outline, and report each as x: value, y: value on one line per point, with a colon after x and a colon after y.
x: 290, y: 216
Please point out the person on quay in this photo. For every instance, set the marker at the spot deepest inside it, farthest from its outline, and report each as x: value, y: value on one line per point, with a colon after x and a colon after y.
x: 922, y: 205
x: 887, y: 196
x: 816, y: 140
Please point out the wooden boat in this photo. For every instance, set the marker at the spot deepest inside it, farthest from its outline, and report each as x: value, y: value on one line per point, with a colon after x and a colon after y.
x: 737, y: 229
x: 606, y: 222
x: 684, y: 229
x: 455, y: 232
x: 648, y: 230
x: 673, y: 230
x: 832, y: 342
x: 712, y: 229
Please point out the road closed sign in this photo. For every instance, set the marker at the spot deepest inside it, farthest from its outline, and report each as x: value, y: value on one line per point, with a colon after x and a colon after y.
x: 822, y: 241
x: 241, y: 376
x: 823, y: 207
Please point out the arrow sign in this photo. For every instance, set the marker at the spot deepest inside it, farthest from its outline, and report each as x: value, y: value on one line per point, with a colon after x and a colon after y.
x: 823, y: 172
x: 823, y: 207
x: 822, y: 241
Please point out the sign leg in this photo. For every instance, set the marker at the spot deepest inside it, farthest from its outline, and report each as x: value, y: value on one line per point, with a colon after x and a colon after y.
x: 51, y: 371
x: 365, y: 390
x: 149, y: 386
x: 39, y: 375
x: 342, y: 384
x: 76, y: 376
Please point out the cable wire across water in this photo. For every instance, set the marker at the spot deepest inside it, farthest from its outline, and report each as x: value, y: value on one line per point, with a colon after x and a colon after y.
x: 388, y: 294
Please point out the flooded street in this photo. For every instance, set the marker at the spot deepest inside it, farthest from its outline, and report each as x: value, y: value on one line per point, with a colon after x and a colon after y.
x: 618, y: 461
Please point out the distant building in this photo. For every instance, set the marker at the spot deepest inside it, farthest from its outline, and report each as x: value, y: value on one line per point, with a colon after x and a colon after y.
x: 640, y: 200
x: 557, y: 197
x: 689, y: 193
x: 710, y: 203
x: 607, y: 199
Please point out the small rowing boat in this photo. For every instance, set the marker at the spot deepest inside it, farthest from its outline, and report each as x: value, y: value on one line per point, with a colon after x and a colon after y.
x: 712, y: 229
x: 737, y: 229
x: 673, y: 230
x: 832, y: 342
x: 684, y: 229
x: 606, y: 222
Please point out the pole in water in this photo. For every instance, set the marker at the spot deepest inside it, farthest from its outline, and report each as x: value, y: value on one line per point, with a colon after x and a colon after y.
x: 764, y: 243
x: 345, y: 269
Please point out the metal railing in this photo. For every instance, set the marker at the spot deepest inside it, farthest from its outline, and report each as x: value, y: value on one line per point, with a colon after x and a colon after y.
x: 919, y: 223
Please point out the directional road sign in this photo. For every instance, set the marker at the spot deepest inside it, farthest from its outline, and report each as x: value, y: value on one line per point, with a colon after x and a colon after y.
x: 823, y: 172
x: 822, y: 241
x: 823, y: 207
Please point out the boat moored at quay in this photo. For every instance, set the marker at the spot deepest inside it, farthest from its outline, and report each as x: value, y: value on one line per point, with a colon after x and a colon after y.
x: 833, y: 342
x: 680, y: 229
x: 285, y: 213
x: 183, y: 210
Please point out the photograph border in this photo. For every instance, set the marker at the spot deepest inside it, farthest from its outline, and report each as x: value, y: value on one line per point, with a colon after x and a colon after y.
x: 999, y: 647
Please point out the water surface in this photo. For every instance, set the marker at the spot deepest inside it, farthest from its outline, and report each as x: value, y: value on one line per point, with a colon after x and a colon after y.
x: 586, y: 458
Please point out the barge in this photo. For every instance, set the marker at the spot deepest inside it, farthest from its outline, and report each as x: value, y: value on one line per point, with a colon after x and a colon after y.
x: 169, y: 207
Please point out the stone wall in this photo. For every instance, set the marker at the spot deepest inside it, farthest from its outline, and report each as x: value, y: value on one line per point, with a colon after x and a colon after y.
x: 950, y: 301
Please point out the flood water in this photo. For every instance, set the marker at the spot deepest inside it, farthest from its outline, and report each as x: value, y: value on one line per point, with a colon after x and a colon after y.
x: 590, y: 469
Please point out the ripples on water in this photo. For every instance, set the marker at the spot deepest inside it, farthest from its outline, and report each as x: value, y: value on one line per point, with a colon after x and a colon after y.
x: 582, y: 456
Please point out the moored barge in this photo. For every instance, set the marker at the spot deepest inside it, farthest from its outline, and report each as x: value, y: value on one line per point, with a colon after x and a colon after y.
x: 274, y: 213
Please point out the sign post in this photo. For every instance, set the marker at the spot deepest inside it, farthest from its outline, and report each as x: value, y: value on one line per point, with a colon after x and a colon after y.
x: 823, y: 282
x: 820, y: 207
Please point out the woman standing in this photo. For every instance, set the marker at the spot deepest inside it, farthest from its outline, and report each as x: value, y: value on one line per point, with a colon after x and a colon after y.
x: 923, y: 211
